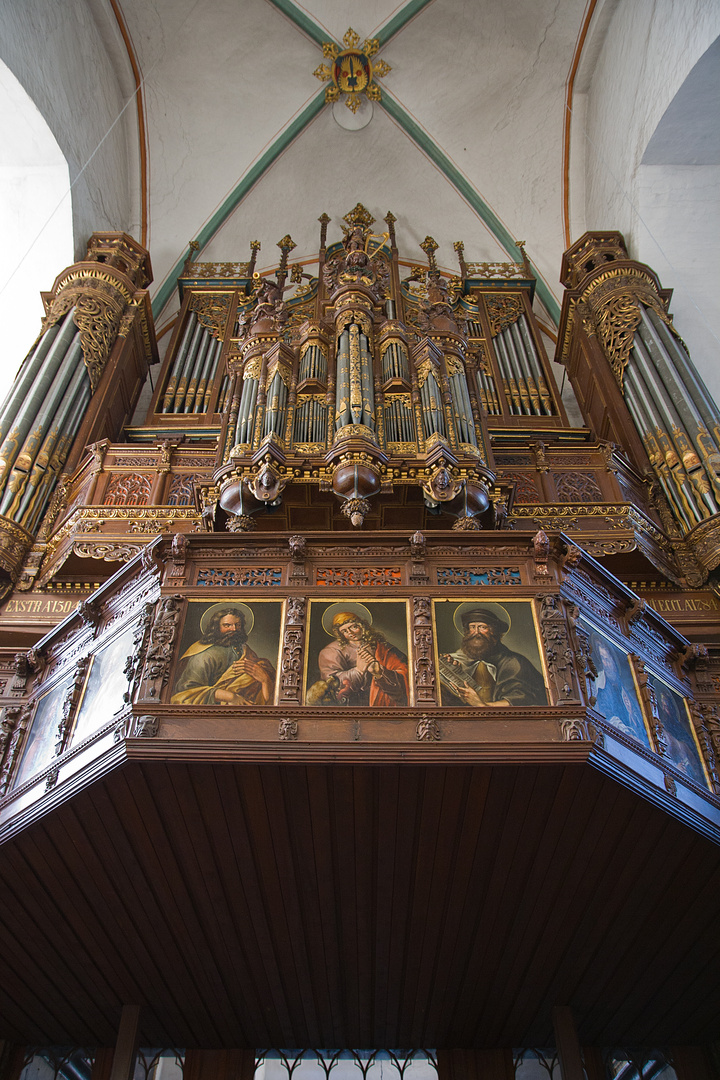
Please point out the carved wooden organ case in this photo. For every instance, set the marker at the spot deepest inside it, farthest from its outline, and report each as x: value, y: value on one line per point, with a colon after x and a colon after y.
x: 339, y: 478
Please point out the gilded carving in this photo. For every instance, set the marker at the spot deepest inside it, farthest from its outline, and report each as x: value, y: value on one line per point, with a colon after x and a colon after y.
x: 212, y: 311
x: 502, y: 311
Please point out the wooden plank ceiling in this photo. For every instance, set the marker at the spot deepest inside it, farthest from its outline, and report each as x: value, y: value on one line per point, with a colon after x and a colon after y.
x: 296, y: 906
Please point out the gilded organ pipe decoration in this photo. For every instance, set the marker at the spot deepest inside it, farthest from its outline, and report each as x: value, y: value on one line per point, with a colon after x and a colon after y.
x: 352, y: 71
x: 620, y: 305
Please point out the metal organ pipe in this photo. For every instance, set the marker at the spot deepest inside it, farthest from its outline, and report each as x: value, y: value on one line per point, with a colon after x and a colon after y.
x: 65, y: 401
x: 276, y: 406
x: 64, y: 348
x: 246, y: 414
x: 535, y: 365
x: 180, y: 365
x: 30, y: 371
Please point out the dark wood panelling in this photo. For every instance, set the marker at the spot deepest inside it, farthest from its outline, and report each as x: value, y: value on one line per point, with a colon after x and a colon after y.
x: 248, y: 904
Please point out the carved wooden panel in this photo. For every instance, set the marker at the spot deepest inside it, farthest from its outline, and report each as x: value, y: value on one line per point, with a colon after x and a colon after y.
x: 125, y: 489
x: 181, y: 489
x: 259, y: 576
x: 495, y: 575
x: 577, y: 487
x: 359, y: 577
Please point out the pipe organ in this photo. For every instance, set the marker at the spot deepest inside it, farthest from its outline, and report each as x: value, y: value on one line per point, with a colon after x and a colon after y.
x: 353, y: 674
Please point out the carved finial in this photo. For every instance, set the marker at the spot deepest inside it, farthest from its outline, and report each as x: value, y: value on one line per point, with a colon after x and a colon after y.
x: 194, y: 248
x: 286, y: 245
x: 430, y: 246
x: 459, y: 248
x: 254, y: 248
x: 324, y: 220
x: 390, y: 220
x: 526, y: 262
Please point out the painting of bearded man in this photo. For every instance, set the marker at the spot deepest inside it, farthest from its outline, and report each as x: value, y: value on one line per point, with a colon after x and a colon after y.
x: 482, y: 671
x: 220, y: 668
x: 359, y: 666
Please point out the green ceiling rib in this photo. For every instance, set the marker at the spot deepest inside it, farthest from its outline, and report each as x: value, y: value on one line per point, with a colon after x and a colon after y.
x: 251, y: 177
x: 461, y: 183
x: 302, y: 20
x: 400, y: 19
x: 418, y: 135
x: 308, y: 26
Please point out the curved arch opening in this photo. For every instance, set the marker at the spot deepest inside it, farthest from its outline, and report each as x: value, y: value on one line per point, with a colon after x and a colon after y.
x: 679, y: 230
x: 35, y: 220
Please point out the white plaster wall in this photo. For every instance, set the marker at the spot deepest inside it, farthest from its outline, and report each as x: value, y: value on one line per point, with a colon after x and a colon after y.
x: 648, y: 50
x: 668, y: 214
x: 58, y: 52
x: 685, y: 257
x: 35, y: 220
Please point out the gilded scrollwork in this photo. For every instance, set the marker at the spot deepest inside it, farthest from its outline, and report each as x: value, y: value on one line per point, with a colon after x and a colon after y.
x: 502, y: 311
x: 212, y: 310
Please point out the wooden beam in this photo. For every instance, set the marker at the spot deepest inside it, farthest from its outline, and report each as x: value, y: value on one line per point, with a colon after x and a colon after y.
x: 126, y: 1047
x: 566, y: 1040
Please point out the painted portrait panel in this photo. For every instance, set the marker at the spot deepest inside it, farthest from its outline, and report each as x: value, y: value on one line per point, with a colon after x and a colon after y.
x: 228, y: 653
x: 40, y: 744
x: 682, y: 746
x: 615, y: 687
x: 104, y: 687
x: 488, y: 654
x: 357, y: 654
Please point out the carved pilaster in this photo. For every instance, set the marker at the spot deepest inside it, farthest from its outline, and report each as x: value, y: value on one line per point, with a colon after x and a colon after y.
x: 648, y: 693
x: 134, y: 662
x: 15, y: 722
x: 559, y: 653
x: 292, y: 652
x: 70, y: 704
x: 707, y: 725
x: 159, y: 654
x: 425, y: 692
